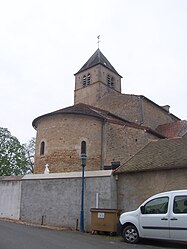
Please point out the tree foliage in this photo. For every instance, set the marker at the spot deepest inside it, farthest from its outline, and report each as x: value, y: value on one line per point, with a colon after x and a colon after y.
x: 13, y: 160
x: 29, y: 153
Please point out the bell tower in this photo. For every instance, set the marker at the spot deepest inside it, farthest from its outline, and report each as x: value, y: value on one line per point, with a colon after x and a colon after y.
x: 96, y: 78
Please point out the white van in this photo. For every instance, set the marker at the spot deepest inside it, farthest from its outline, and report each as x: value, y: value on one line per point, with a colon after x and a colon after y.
x: 162, y: 216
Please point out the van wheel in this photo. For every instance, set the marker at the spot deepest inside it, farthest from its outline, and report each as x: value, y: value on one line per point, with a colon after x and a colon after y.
x: 130, y: 234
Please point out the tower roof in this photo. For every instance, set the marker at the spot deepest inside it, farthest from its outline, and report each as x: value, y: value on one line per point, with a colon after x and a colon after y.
x: 95, y: 59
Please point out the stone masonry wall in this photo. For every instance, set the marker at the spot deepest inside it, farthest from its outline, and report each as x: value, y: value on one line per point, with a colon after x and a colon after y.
x: 154, y: 116
x: 122, y: 105
x: 135, y: 109
x: 63, y: 135
x: 98, y: 85
x: 122, y: 142
x: 92, y: 94
x: 107, y: 142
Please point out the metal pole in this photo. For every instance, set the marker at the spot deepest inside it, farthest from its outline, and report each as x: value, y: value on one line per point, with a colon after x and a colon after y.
x: 82, y: 198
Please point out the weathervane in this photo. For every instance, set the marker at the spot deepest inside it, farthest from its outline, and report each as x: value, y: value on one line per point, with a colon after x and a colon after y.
x: 98, y: 37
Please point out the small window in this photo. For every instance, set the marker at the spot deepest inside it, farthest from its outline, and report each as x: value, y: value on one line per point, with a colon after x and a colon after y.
x: 84, y: 80
x: 180, y: 205
x: 110, y: 81
x: 157, y: 206
x: 42, y: 148
x: 88, y: 79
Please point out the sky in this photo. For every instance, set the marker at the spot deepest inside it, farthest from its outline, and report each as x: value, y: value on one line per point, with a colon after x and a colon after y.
x: 43, y: 43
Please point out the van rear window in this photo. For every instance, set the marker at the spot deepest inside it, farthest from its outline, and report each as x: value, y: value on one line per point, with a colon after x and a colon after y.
x: 180, y: 204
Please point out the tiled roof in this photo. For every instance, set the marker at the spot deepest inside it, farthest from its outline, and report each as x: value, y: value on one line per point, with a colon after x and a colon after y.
x: 78, y: 109
x: 75, y: 109
x: 83, y: 109
x: 175, y: 129
x: 157, y: 155
x: 95, y: 59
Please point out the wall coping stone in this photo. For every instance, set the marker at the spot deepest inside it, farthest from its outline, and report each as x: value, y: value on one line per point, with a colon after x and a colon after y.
x: 10, y: 178
x: 87, y: 174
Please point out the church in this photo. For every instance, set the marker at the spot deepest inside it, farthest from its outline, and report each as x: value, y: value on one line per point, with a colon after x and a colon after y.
x: 135, y: 149
x: 120, y: 131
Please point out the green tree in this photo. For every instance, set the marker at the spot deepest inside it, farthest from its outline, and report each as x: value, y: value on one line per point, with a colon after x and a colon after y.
x: 13, y: 160
x: 29, y: 153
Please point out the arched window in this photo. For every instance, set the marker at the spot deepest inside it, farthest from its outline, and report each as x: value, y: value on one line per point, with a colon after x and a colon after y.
x: 83, y: 147
x: 42, y: 148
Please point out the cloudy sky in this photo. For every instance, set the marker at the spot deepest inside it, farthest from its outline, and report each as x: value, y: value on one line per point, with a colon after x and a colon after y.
x: 44, y: 42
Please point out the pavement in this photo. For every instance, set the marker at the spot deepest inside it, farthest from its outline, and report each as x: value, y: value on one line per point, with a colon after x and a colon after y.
x: 23, y: 235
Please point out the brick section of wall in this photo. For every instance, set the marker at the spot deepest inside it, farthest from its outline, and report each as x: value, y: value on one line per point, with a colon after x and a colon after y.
x: 63, y: 135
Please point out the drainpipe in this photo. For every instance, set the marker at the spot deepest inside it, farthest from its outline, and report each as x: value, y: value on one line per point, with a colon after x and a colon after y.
x: 117, y: 189
x: 102, y: 146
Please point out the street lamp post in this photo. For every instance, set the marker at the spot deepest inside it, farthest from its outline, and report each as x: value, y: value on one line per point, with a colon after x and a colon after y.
x: 83, y: 164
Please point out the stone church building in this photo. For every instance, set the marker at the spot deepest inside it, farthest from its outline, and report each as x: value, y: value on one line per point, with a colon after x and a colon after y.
x: 135, y: 148
x: 115, y: 126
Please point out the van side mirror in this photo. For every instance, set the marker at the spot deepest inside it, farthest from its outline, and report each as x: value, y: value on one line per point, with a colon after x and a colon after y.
x: 142, y: 209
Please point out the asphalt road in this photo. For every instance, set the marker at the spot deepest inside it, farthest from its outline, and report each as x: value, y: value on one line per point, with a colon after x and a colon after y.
x: 19, y: 236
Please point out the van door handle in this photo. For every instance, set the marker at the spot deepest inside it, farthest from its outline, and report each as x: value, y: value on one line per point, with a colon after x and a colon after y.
x: 164, y: 218
x: 173, y: 218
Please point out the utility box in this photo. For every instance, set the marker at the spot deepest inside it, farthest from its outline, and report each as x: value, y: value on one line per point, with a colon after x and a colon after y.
x: 105, y: 220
